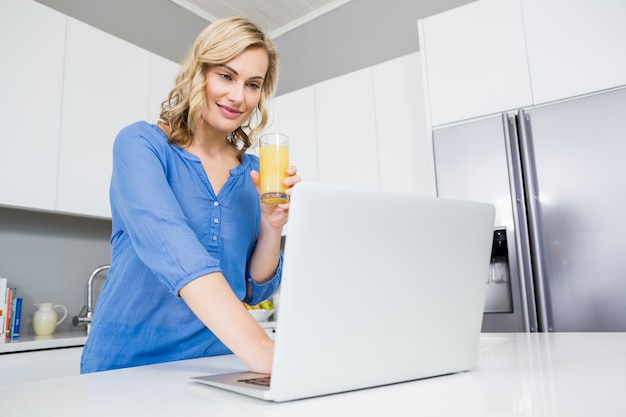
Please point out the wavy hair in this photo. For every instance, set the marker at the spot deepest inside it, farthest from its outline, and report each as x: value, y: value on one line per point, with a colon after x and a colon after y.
x: 219, y: 43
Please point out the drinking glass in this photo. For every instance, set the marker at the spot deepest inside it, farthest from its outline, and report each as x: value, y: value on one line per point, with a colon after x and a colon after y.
x: 274, y: 160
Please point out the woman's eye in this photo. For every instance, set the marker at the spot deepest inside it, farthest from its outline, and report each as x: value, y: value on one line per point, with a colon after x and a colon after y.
x: 226, y: 76
x: 255, y: 85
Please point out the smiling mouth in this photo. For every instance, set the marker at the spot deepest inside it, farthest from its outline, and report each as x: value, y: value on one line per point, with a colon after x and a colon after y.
x: 229, y: 112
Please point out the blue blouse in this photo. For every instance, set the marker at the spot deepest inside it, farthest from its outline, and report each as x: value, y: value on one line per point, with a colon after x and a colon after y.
x: 169, y: 228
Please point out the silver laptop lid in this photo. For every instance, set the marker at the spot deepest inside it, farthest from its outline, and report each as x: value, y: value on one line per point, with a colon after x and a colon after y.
x: 378, y: 288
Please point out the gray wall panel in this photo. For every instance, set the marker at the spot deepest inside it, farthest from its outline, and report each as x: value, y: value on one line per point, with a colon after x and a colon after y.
x: 359, y: 34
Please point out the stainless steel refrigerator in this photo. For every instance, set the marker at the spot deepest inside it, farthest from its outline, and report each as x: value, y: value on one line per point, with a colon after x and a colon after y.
x: 557, y: 176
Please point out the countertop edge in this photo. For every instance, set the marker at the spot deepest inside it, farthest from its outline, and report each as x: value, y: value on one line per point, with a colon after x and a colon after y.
x: 63, y: 340
x: 32, y: 343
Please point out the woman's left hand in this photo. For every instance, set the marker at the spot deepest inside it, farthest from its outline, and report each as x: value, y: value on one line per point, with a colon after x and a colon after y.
x: 277, y: 215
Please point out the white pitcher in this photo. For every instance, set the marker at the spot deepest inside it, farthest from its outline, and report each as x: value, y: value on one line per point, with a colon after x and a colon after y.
x: 45, y: 320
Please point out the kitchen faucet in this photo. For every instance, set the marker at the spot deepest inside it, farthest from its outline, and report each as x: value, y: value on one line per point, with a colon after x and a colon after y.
x: 84, y: 317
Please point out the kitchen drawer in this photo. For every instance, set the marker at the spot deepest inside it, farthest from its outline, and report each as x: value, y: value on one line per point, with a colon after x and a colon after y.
x: 40, y: 364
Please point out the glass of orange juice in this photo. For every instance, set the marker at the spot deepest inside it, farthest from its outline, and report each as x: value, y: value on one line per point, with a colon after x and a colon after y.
x: 274, y: 160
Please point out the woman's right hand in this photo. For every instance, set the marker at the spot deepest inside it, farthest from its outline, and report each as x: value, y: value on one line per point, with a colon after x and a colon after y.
x: 262, y: 360
x: 215, y: 304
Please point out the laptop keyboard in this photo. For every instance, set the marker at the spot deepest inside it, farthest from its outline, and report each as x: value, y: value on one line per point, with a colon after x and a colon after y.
x: 263, y: 381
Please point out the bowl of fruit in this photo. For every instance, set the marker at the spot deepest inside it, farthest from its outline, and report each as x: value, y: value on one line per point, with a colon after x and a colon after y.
x: 262, y: 311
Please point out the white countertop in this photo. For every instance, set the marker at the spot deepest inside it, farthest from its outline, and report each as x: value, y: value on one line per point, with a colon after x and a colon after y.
x: 520, y: 374
x: 57, y: 340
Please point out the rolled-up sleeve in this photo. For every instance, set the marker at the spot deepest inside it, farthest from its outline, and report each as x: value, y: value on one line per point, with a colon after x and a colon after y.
x: 261, y: 292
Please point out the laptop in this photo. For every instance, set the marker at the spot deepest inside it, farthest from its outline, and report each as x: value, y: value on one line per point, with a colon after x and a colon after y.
x: 378, y: 288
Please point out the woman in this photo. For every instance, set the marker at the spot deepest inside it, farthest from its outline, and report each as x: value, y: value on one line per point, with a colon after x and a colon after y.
x: 190, y: 238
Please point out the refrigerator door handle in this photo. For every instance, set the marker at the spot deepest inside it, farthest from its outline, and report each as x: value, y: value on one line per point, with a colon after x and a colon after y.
x: 518, y: 205
x: 534, y: 220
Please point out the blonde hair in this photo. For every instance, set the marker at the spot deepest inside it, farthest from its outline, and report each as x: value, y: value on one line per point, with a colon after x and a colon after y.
x: 219, y: 43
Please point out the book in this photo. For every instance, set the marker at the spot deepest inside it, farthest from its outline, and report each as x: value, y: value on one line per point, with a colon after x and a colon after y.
x: 9, y: 308
x: 17, y: 318
x: 3, y: 306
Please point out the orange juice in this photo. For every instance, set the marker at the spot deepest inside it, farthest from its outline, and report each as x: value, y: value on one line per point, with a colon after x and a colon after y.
x: 274, y: 160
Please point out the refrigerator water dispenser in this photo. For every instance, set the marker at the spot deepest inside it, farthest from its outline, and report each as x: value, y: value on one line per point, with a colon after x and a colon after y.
x: 498, y: 297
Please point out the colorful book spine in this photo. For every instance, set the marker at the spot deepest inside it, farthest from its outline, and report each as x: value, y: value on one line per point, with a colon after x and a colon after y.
x: 7, y: 326
x: 3, y: 307
x: 17, y: 318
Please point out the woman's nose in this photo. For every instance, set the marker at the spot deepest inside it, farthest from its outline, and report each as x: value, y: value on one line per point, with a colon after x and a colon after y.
x: 236, y: 93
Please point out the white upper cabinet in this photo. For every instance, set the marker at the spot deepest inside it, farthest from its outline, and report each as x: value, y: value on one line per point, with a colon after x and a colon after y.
x: 365, y: 129
x: 492, y: 56
x: 107, y: 87
x: 346, y: 131
x: 405, y: 154
x: 575, y: 46
x: 162, y: 79
x: 68, y: 89
x: 32, y: 41
x: 294, y: 115
x: 475, y: 60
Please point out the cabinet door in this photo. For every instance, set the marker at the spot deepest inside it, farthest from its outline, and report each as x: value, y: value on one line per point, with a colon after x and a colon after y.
x: 162, y: 78
x: 346, y: 131
x: 40, y: 364
x: 475, y: 60
x: 405, y: 152
x: 106, y: 88
x: 294, y: 115
x: 575, y: 46
x: 32, y: 41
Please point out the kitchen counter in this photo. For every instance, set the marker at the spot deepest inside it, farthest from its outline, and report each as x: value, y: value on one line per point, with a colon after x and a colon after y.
x: 57, y: 340
x: 517, y: 374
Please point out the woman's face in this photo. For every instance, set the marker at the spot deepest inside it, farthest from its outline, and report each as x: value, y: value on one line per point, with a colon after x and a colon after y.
x: 233, y: 90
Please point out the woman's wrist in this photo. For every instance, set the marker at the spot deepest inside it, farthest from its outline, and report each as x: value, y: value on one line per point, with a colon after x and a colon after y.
x: 261, y: 359
x: 266, y: 257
